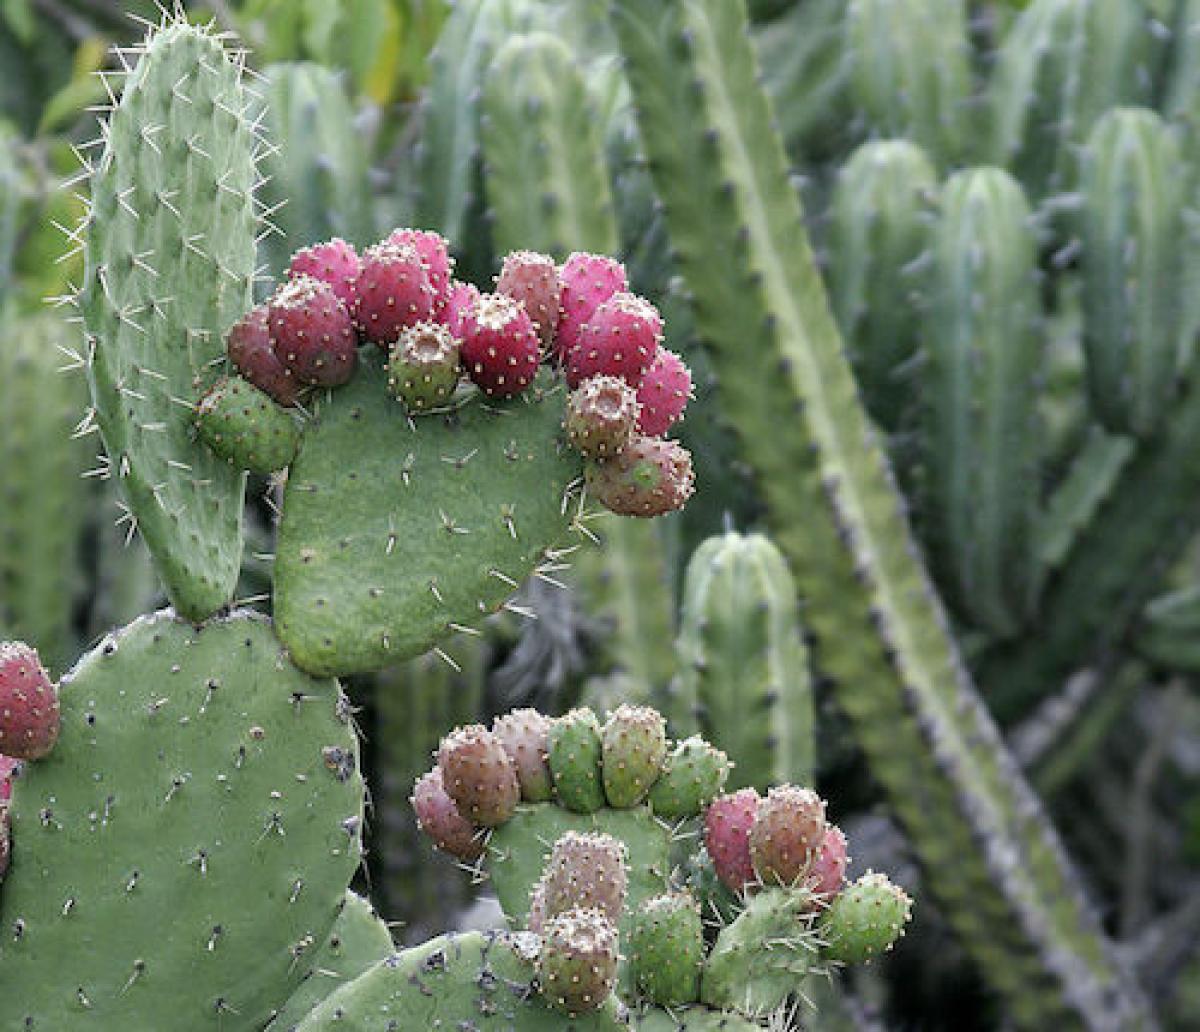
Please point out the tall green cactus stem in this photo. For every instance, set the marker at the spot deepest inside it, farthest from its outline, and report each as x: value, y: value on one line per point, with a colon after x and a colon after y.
x: 539, y: 131
x: 1062, y: 65
x: 315, y: 177
x: 170, y: 260
x: 979, y: 398
x: 10, y: 209
x: 882, y: 215
x: 910, y: 71
x: 394, y: 536
x: 880, y: 633
x: 744, y: 681
x: 1133, y: 278
x: 197, y: 775
x: 43, y: 502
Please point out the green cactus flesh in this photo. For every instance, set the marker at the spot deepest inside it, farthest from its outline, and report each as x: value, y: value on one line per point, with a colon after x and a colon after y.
x: 393, y: 535
x: 170, y: 260
x: 691, y: 1019
x: 200, y: 783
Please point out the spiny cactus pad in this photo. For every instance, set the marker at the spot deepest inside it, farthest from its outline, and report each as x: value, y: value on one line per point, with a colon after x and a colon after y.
x: 392, y: 535
x: 199, y: 782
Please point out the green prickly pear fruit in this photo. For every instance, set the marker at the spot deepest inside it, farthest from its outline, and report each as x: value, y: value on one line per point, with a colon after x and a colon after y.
x: 693, y: 776
x: 423, y: 366
x: 574, y: 755
x: 634, y: 746
x: 666, y: 949
x: 648, y: 478
x: 865, y: 919
x: 788, y: 829
x: 577, y: 966
x: 585, y: 869
x: 245, y: 427
x: 524, y: 734
x: 601, y: 415
x: 29, y: 710
x: 438, y: 817
x: 478, y: 775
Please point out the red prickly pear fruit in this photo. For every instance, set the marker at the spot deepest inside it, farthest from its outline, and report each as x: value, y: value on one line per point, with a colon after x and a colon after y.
x: 392, y: 292
x: 577, y: 966
x: 827, y: 874
x: 423, y: 366
x: 664, y: 393
x: 8, y: 767
x: 311, y: 332
x: 334, y: 262
x: 28, y: 704
x: 249, y: 347
x: 620, y: 339
x: 586, y: 869
x: 649, y: 477
x: 478, y: 775
x: 585, y: 281
x: 634, y: 743
x: 499, y: 346
x: 438, y: 817
x: 788, y: 829
x: 727, y: 824
x: 4, y: 840
x: 462, y: 299
x: 600, y: 417
x: 532, y: 279
x: 524, y: 734
x: 434, y: 251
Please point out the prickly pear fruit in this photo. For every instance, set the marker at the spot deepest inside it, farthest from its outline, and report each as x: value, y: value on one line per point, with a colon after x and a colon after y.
x: 601, y: 415
x: 499, y: 346
x: 650, y: 476
x: 620, y: 339
x: 524, y: 735
x: 249, y: 348
x: 536, y: 921
x: 532, y: 279
x: 478, y: 775
x: 461, y: 300
x: 334, y: 262
x: 574, y: 754
x: 8, y: 767
x: 727, y: 824
x: 586, y: 281
x: 392, y: 291
x: 586, y: 869
x: 438, y: 817
x: 577, y: 967
x: 788, y: 829
x: 28, y: 703
x: 666, y: 949
x: 434, y: 251
x: 423, y: 366
x: 245, y: 427
x: 634, y: 746
x: 693, y: 775
x: 865, y: 919
x: 828, y: 872
x: 311, y: 332
x: 664, y: 393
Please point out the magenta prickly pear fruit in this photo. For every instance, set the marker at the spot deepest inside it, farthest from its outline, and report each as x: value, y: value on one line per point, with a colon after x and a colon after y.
x: 666, y: 949
x: 828, y: 872
x: 461, y: 300
x: 391, y: 293
x: 865, y: 919
x: 577, y: 967
x: 28, y: 704
x: 532, y: 279
x: 423, y: 366
x: 601, y: 415
x: 249, y: 347
x: 586, y: 281
x: 334, y: 262
x: 524, y: 734
x: 478, y: 775
x: 438, y: 817
x: 434, y: 251
x: 634, y: 746
x: 586, y: 869
x: 8, y: 767
x: 537, y: 907
x: 727, y: 824
x: 574, y: 753
x: 620, y: 339
x: 649, y: 477
x: 311, y: 332
x: 4, y: 840
x: 693, y: 775
x: 788, y: 829
x: 499, y: 346
x: 664, y: 393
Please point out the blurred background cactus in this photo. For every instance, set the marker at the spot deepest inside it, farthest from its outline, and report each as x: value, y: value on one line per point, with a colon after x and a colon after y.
x: 934, y: 266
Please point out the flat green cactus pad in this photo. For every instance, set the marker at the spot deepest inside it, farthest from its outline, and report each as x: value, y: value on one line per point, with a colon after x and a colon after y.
x: 188, y: 841
x: 394, y: 534
x: 692, y: 1019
